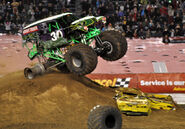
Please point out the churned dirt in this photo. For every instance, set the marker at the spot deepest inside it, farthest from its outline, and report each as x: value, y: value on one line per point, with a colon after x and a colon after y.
x: 54, y: 100
x: 63, y: 101
x: 59, y: 101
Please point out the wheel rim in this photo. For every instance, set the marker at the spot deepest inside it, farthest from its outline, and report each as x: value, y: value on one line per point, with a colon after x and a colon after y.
x: 108, y: 46
x: 76, y: 62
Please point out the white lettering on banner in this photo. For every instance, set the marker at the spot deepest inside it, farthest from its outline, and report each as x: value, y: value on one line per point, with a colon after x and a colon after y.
x: 162, y: 83
x: 152, y: 83
x: 179, y: 83
x: 169, y: 83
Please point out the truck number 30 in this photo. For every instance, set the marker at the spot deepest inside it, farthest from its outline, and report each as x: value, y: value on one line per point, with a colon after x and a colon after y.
x: 56, y: 35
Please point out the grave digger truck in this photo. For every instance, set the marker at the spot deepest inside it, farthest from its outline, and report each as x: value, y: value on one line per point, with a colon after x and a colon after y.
x: 69, y: 43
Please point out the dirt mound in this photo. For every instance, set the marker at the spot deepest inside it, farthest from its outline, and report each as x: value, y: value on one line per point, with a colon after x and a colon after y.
x: 63, y: 101
x: 54, y: 100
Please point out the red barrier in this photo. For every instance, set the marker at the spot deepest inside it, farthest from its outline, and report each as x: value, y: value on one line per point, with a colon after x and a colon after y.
x: 149, y: 82
x: 115, y: 80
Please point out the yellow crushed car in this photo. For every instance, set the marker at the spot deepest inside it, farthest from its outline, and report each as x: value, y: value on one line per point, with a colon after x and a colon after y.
x: 131, y: 105
x: 161, y: 101
x: 161, y: 104
x: 132, y: 101
x: 163, y: 97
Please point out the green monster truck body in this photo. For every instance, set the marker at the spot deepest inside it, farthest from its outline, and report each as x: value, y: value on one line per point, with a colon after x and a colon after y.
x: 66, y: 42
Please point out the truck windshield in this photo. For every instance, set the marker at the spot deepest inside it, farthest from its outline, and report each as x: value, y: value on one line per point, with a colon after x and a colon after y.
x: 65, y: 21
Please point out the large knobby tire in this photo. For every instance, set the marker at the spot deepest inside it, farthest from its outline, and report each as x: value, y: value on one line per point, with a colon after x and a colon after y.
x: 104, y: 117
x: 117, y: 43
x: 81, y: 59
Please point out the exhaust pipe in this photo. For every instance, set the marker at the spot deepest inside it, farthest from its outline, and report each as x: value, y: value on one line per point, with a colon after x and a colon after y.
x: 38, y: 69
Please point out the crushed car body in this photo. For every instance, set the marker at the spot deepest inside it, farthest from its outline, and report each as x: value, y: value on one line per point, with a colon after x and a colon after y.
x: 132, y: 101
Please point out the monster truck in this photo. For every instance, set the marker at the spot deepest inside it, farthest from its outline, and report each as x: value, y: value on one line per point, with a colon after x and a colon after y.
x: 70, y: 43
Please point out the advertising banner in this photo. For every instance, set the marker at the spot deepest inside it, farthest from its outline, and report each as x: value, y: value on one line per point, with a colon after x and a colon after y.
x: 149, y: 82
x: 115, y: 80
x: 162, y: 83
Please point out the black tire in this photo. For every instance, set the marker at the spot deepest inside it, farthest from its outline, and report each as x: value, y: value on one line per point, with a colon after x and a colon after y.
x: 63, y: 68
x: 81, y: 59
x: 104, y: 117
x: 121, y: 39
x: 118, y: 43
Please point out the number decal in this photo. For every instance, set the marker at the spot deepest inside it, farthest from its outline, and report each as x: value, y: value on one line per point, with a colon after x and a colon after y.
x: 54, y: 38
x: 56, y: 35
x: 59, y: 34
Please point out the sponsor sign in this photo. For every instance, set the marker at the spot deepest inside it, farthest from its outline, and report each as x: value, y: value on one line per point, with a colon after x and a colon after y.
x: 30, y: 30
x: 162, y: 83
x: 149, y: 82
x: 114, y: 80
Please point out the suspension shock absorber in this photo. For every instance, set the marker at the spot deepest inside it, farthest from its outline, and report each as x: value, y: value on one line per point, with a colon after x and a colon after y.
x: 99, y: 46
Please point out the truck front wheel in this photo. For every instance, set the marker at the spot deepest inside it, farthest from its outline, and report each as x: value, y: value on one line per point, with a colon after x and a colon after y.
x: 81, y: 59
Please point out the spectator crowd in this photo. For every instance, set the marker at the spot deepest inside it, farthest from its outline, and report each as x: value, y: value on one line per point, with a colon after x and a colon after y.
x: 134, y: 18
x: 140, y: 18
x: 15, y: 14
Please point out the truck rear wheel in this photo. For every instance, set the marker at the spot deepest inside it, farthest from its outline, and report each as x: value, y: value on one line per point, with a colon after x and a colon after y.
x: 81, y: 59
x: 104, y: 117
x: 116, y: 43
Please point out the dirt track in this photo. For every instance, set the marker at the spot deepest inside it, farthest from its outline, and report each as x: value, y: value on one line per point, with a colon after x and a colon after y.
x: 51, y: 101
x: 63, y: 101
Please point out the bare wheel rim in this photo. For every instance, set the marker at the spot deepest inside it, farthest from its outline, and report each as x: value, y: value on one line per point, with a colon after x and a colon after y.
x: 76, y: 62
x: 108, y: 47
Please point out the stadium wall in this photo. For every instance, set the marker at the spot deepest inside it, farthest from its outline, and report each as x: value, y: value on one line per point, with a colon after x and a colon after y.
x: 161, y: 83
